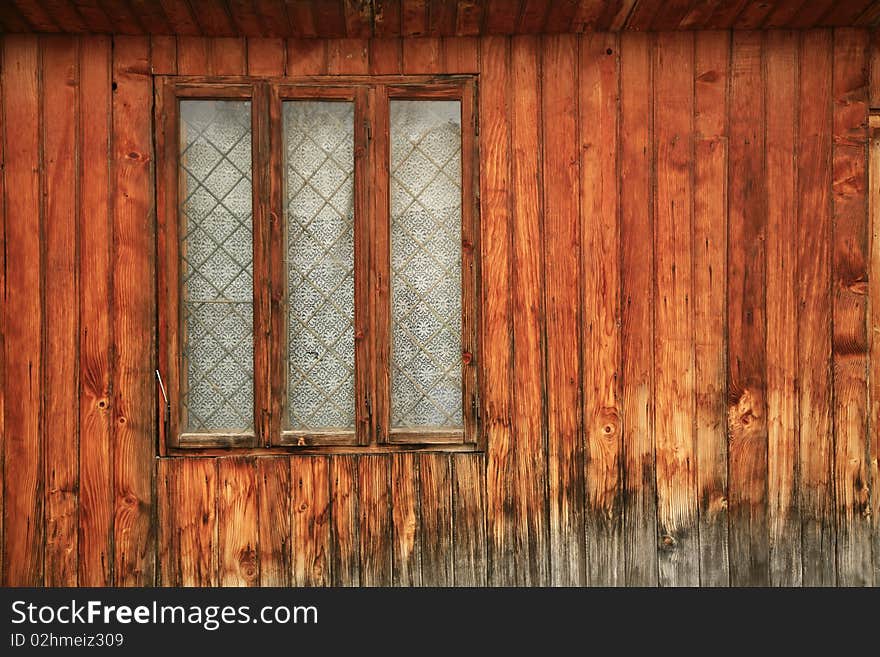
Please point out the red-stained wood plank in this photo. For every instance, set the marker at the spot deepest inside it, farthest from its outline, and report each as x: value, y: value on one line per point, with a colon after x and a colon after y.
x: 227, y: 56
x: 213, y: 18
x: 405, y: 522
x: 133, y: 299
x: 329, y: 18
x: 344, y: 552
x: 273, y: 17
x: 725, y: 14
x: 849, y: 310
x: 598, y: 83
x: 274, y: 528
x: 306, y: 57
x: 810, y: 14
x: 816, y: 489
x: 302, y: 20
x: 783, y: 13
x: 441, y: 17
x: 469, y: 519
x: 193, y: 486
x: 460, y: 55
x: 237, y: 517
x: 413, y: 18
x: 310, y: 521
x: 712, y: 54
x: 245, y: 18
x: 385, y: 56
x: 672, y: 13
x: 23, y: 454
x: 65, y: 15
x: 497, y: 328
x: 150, y: 15
x: 588, y: 14
x: 167, y: 572
x: 123, y: 18
x: 561, y: 15
x: 874, y: 304
x: 348, y: 57
x: 616, y: 18
x: 643, y: 13
x: 468, y: 18
x: 565, y: 449
x: 870, y: 17
x: 386, y: 18
x: 782, y: 422
x: 180, y: 17
x: 358, y: 19
x: 844, y: 13
x: 95, y: 338
x: 636, y: 263
x: 500, y: 16
x: 435, y: 511
x: 374, y: 513
x: 698, y: 15
x: 421, y: 55
x: 530, y: 473
x: 12, y: 21
x: 60, y: 76
x: 532, y: 16
x: 265, y: 56
x: 674, y: 391
x: 163, y: 55
x: 746, y: 312
x: 192, y: 56
x: 36, y: 16
x: 753, y: 15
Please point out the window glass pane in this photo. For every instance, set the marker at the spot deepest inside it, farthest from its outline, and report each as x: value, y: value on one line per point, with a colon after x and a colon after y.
x: 217, y: 265
x: 319, y: 143
x: 426, y: 264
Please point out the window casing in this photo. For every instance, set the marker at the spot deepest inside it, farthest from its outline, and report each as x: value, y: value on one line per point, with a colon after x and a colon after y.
x: 396, y: 288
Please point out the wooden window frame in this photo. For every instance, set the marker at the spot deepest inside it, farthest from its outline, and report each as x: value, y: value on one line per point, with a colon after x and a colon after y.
x: 371, y: 96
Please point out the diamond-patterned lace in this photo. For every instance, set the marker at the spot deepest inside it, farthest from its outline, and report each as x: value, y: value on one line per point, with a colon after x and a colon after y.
x: 217, y: 264
x: 426, y: 264
x: 319, y: 139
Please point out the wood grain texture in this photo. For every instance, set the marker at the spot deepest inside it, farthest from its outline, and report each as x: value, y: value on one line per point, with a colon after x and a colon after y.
x: 190, y: 527
x: 746, y: 317
x: 237, y: 522
x: 405, y: 519
x: 637, y: 263
x: 874, y: 303
x: 23, y: 511
x: 712, y: 52
x: 274, y: 525
x: 468, y: 519
x: 133, y: 316
x: 310, y: 520
x: 816, y: 489
x: 374, y: 518
x: 597, y: 102
x: 306, y: 57
x: 849, y: 309
x: 344, y: 559
x: 266, y: 57
x: 435, y: 503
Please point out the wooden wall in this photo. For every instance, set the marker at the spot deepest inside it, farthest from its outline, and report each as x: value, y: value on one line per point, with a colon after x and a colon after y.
x: 675, y: 253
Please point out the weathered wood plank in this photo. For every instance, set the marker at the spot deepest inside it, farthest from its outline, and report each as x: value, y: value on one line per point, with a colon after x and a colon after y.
x: 23, y: 454
x: 849, y: 310
x: 816, y: 488
x: 497, y: 260
x: 227, y: 56
x: 598, y: 85
x: 163, y: 55
x: 344, y: 521
x: 310, y: 521
x: 306, y: 57
x: 386, y: 18
x: 747, y: 329
x: 530, y: 515
x: 385, y: 56
x: 167, y: 571
x: 421, y: 56
x: 874, y: 305
x: 469, y: 519
x: 348, y: 57
x: 265, y: 57
x: 406, y: 525
x: 133, y: 314
x: 237, y: 522
x: 193, y: 487
x: 375, y: 520
x: 710, y: 260
x: 435, y: 503
x: 565, y: 448
x: 192, y: 56
x: 273, y: 508
x: 461, y: 55
x: 60, y: 75
x: 782, y: 427
x: 674, y: 392
x: 637, y: 264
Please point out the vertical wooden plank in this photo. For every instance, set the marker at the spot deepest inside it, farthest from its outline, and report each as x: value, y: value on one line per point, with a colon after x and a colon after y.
x: 495, y: 221
x: 674, y: 400
x: 435, y: 491
x: 273, y: 504
x: 192, y: 56
x: 310, y: 521
x: 348, y: 56
x: 816, y: 503
x: 163, y: 55
x: 747, y: 329
x: 421, y: 55
x: 133, y: 301
x: 2, y: 322
x: 60, y: 74
x: 782, y: 429
x: 375, y: 520
x: 530, y: 514
x: 23, y: 494
x: 237, y: 518
x: 167, y: 570
x: 265, y: 56
x: 469, y: 520
x: 849, y: 311
x: 712, y: 55
x: 344, y: 541
x: 874, y: 305
x: 406, y: 542
x: 385, y: 56
x: 461, y: 55
x: 227, y: 56
x: 193, y: 487
x: 636, y: 275
x: 562, y: 236
x: 598, y: 89
x: 306, y: 57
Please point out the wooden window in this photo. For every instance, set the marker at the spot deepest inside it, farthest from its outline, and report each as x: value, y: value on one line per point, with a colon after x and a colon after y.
x: 317, y: 271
